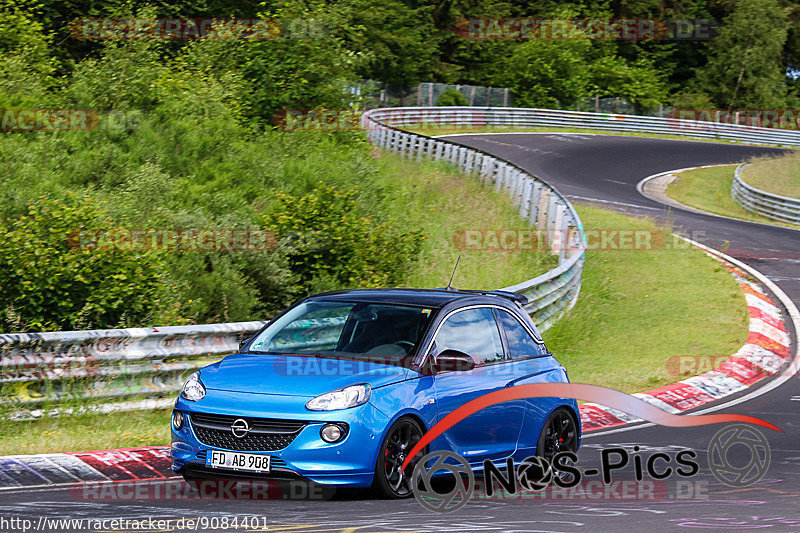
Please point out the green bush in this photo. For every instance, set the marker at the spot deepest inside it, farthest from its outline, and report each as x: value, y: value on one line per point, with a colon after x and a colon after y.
x: 54, y: 275
x: 331, y: 244
x: 452, y: 97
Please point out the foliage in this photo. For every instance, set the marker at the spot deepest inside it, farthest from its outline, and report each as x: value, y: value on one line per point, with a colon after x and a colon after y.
x: 452, y: 97
x: 546, y: 73
x: 744, y: 69
x: 639, y: 82
x: 26, y: 72
x: 328, y: 241
x: 186, y: 140
x: 56, y: 273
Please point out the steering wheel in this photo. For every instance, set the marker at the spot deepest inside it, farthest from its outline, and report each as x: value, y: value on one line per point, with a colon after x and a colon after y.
x: 408, y: 346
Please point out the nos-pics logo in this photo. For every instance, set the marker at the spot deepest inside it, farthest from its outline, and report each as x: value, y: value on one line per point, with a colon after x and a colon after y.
x: 452, y: 475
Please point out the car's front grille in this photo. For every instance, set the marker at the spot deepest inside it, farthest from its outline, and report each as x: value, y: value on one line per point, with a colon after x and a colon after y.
x: 266, y: 434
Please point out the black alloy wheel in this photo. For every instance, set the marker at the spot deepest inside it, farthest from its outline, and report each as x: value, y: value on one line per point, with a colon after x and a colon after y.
x: 390, y: 480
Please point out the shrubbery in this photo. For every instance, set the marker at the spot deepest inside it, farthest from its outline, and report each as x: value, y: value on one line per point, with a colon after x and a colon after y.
x: 452, y: 97
x: 50, y: 278
x: 330, y: 243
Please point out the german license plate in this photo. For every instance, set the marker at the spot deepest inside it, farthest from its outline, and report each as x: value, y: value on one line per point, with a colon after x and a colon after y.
x: 250, y: 462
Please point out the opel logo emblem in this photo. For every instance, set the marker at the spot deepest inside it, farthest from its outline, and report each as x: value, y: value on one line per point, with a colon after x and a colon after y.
x: 240, y: 428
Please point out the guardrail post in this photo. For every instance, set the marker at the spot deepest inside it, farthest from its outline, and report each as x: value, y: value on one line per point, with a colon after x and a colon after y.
x: 560, y: 233
x: 470, y: 162
x: 533, y: 204
x: 517, y: 191
x: 525, y: 198
x: 477, y: 164
x: 551, y: 213
x: 438, y: 150
x: 541, y: 211
x: 487, y: 166
x: 501, y: 176
x: 511, y: 182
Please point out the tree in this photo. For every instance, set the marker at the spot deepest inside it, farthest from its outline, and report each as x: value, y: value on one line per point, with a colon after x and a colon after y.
x: 546, y: 73
x: 396, y: 40
x: 639, y: 83
x: 745, y: 69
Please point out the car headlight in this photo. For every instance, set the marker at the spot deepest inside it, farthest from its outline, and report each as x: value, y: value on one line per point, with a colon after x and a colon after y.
x: 346, y: 398
x: 193, y: 390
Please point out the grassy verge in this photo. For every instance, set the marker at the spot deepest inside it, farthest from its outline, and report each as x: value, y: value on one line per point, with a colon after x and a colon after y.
x: 441, y: 202
x: 778, y: 175
x: 709, y: 189
x: 638, y: 308
x: 436, y: 131
x: 85, y: 432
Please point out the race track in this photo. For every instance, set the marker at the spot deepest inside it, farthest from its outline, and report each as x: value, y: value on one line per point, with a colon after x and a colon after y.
x: 605, y: 169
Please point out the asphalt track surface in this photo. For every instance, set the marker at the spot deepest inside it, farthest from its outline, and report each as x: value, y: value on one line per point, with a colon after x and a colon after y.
x: 604, y: 169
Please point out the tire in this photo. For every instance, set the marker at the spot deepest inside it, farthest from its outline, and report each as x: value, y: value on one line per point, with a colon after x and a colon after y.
x: 559, y: 434
x: 401, y: 437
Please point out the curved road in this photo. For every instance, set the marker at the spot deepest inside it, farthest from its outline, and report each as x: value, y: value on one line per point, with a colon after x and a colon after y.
x: 585, y: 167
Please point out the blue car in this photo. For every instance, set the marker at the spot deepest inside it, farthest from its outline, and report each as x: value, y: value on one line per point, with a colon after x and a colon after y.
x: 339, y: 387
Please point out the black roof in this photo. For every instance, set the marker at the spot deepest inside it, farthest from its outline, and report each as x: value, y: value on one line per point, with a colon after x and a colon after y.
x: 426, y: 297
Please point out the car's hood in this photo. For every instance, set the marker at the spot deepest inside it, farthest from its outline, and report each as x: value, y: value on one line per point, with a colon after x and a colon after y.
x: 295, y: 375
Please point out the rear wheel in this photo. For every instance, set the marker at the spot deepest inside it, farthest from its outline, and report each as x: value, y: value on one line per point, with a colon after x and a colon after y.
x: 389, y: 480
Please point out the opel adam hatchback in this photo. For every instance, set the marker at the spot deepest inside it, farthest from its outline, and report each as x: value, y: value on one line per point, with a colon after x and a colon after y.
x: 339, y: 387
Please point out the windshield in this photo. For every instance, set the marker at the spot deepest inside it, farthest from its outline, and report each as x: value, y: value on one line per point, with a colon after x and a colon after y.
x: 353, y: 330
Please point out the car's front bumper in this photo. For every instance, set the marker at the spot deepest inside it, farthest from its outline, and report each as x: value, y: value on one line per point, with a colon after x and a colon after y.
x: 350, y: 462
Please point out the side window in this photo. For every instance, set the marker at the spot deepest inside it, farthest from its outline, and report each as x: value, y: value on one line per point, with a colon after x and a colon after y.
x: 520, y: 343
x: 473, y: 332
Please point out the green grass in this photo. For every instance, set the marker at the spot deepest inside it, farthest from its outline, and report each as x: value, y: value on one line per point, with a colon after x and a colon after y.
x: 442, y: 202
x: 451, y: 130
x: 778, y: 175
x: 85, y: 432
x: 639, y: 307
x: 709, y: 189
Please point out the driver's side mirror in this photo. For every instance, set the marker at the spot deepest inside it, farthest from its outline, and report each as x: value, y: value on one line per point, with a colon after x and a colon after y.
x: 243, y: 343
x: 453, y: 361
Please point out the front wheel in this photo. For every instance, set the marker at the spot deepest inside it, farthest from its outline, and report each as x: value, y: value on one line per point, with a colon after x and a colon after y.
x: 559, y: 434
x: 389, y: 480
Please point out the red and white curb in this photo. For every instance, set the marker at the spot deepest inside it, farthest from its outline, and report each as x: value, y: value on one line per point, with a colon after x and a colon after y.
x: 130, y: 464
x: 765, y: 354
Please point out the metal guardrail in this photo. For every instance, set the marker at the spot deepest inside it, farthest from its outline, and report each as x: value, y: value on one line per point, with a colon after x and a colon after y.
x: 552, y: 293
x: 474, y: 117
x: 767, y: 204
x: 105, y: 364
